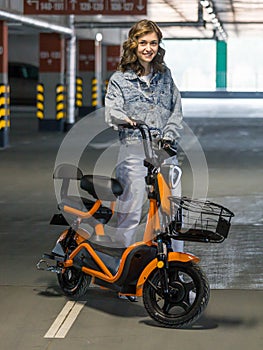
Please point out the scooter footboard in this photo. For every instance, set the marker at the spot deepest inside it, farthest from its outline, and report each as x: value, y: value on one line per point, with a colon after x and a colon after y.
x: 172, y: 256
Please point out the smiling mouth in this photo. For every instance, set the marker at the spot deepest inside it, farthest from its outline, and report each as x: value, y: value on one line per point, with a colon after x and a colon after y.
x: 148, y: 54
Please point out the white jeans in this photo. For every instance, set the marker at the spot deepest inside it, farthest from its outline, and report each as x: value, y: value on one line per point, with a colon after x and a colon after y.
x: 131, y: 173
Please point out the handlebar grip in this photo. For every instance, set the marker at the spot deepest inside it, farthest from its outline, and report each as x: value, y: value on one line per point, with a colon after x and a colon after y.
x: 139, y: 123
x: 170, y: 147
x: 146, y: 136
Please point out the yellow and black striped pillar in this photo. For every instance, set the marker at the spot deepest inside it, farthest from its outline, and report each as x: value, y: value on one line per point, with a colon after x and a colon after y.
x: 40, y: 101
x: 94, y: 92
x: 4, y: 114
x: 60, y: 102
x: 79, y: 92
x: 106, y: 84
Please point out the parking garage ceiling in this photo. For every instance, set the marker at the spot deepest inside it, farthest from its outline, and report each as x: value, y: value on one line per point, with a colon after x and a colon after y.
x: 192, y: 20
x: 179, y: 19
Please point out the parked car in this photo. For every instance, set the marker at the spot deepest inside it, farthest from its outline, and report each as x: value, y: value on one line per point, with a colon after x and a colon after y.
x: 23, y: 79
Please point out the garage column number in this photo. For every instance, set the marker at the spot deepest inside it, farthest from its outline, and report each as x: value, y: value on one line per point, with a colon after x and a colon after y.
x: 50, y: 56
x: 88, y: 7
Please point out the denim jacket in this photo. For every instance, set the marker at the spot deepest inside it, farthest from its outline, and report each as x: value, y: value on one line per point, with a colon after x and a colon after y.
x: 157, y: 104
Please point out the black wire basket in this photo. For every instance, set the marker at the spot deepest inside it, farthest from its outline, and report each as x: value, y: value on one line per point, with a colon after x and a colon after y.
x: 199, y: 221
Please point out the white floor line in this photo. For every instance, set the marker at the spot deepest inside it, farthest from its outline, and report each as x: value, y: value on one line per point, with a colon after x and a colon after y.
x: 65, y: 319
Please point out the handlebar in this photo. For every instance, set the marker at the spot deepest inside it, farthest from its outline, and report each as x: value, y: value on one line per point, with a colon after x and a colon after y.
x: 166, y: 145
x: 146, y: 136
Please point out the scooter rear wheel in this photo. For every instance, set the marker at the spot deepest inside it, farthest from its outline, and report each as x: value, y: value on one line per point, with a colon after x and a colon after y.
x: 74, y: 283
x: 187, y: 297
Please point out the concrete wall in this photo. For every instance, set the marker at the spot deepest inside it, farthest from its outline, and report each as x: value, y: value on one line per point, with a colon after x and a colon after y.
x: 23, y: 48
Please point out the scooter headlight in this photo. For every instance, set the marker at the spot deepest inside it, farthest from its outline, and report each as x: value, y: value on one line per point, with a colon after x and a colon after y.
x: 172, y: 174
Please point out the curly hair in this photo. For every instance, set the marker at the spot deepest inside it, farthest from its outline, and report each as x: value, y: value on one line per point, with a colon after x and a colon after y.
x: 129, y: 59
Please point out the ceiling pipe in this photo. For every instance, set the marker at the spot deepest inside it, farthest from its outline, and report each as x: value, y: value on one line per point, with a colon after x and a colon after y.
x: 35, y: 23
x: 101, y: 25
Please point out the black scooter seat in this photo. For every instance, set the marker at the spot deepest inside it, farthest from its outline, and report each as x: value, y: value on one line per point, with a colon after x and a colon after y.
x: 101, y: 187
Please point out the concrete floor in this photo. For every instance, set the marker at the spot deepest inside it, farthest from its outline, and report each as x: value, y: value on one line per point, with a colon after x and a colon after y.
x: 30, y: 300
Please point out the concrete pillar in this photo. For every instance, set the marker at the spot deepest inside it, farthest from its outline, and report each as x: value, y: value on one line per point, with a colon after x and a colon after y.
x: 221, y: 65
x: 113, y: 54
x: 86, y: 71
x: 98, y: 68
x: 51, y: 78
x: 4, y: 87
x: 71, y: 76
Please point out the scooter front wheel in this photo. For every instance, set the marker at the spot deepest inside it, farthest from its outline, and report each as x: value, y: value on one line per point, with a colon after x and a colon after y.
x: 184, y: 301
x: 73, y: 282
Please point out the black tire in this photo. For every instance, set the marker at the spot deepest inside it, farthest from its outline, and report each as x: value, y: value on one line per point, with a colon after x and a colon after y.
x: 74, y: 283
x: 187, y: 298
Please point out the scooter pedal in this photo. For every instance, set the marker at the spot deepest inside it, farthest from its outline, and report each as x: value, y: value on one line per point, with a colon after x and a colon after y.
x: 44, y: 266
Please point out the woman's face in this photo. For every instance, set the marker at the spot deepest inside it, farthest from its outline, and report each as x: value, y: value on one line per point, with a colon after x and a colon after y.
x: 147, y: 49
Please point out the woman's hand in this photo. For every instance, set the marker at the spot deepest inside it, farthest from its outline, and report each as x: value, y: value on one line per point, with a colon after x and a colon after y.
x: 130, y: 121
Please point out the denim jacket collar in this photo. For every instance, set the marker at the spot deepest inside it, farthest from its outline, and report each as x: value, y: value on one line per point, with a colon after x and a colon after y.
x: 131, y: 75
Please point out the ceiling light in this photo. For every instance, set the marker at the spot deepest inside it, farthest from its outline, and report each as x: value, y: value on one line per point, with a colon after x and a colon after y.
x: 204, y: 3
x: 98, y: 37
x: 215, y: 21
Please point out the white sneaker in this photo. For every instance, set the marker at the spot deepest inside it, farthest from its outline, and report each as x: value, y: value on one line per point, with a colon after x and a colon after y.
x: 131, y: 298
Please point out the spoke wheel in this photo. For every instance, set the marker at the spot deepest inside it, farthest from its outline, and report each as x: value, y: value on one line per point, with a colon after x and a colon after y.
x: 74, y: 283
x: 186, y: 297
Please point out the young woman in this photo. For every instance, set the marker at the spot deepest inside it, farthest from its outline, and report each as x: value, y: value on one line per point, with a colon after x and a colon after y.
x: 142, y: 88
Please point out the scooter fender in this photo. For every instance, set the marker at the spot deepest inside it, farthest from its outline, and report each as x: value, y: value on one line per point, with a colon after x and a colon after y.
x: 62, y: 236
x: 80, y: 236
x: 173, y: 256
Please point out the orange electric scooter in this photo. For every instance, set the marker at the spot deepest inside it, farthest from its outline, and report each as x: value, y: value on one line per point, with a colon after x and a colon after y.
x: 175, y: 290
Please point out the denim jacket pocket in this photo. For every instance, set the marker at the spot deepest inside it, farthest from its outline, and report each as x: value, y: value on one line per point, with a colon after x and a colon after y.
x: 165, y: 97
